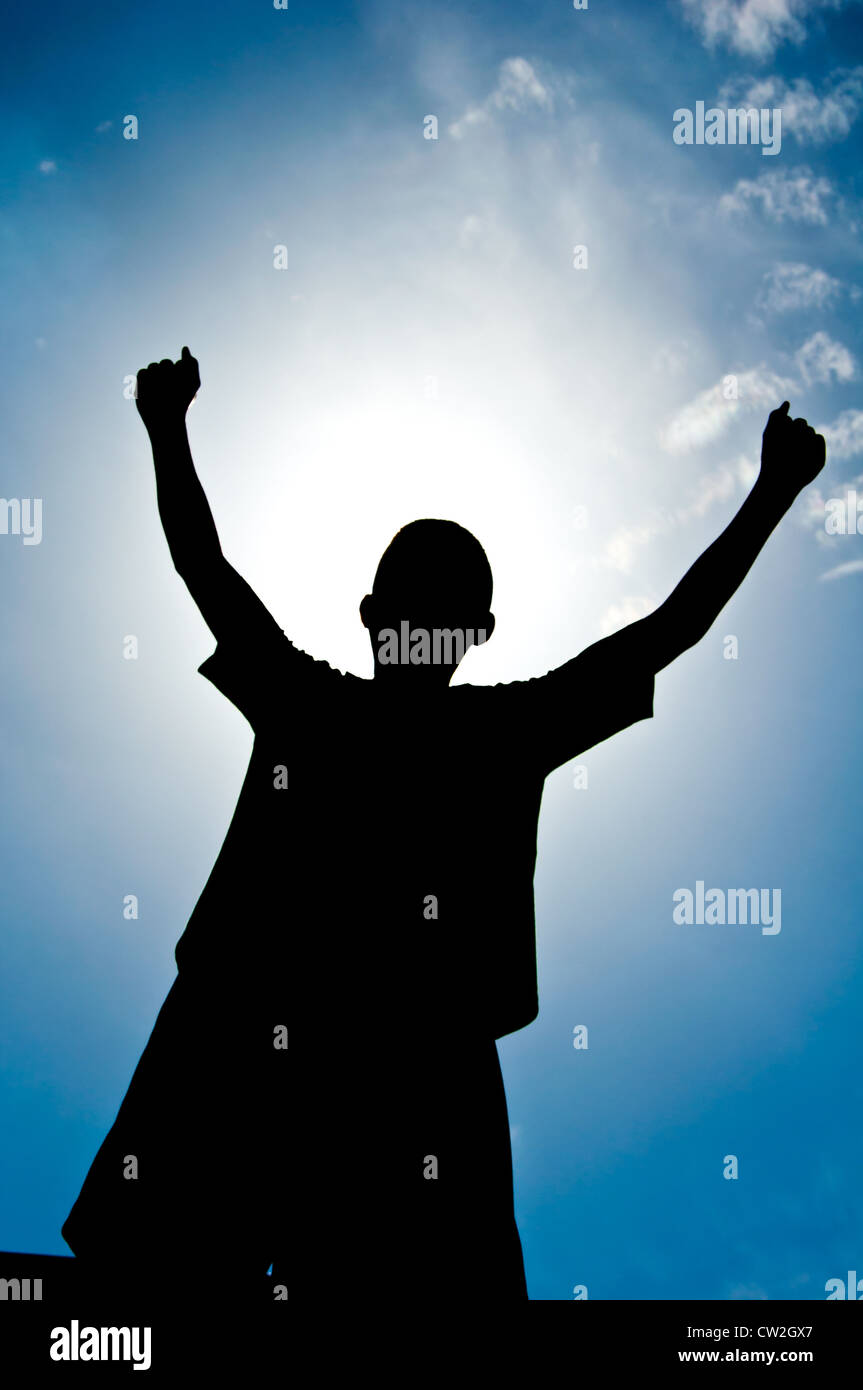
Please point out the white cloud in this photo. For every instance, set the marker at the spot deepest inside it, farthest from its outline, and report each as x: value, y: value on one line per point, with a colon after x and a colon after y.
x: 794, y: 285
x: 627, y: 611
x: 711, y: 412
x: 489, y: 233
x: 799, y: 196
x: 810, y: 118
x: 840, y: 571
x: 671, y: 358
x: 518, y: 89
x: 103, y: 126
x: 714, y: 487
x: 844, y: 436
x: 811, y: 512
x: 821, y: 357
x: 755, y: 27
x: 470, y: 230
x: 621, y: 548
x: 48, y: 166
x: 812, y: 515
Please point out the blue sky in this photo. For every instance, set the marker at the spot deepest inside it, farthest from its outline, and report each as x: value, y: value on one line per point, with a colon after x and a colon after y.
x: 431, y: 350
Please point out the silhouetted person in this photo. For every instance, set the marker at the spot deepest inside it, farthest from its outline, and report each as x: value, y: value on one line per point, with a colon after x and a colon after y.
x: 374, y: 897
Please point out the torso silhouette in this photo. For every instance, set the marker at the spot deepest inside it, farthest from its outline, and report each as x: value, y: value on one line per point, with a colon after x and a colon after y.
x: 374, y: 896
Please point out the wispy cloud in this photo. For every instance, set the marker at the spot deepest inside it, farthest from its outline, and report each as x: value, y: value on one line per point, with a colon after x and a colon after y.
x: 793, y: 285
x: 627, y: 610
x: 844, y: 439
x: 48, y: 166
x: 810, y: 118
x: 840, y: 571
x: 754, y: 27
x: 718, y: 486
x: 671, y: 358
x: 621, y: 549
x: 844, y: 436
x: 712, y: 412
x: 821, y: 358
x: 518, y: 89
x: 799, y: 197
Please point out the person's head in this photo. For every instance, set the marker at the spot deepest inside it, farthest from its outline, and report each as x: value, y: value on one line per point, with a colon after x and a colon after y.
x: 430, y: 601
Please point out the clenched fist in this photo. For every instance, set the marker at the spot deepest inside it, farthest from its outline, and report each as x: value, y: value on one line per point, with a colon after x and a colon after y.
x: 792, y: 454
x: 166, y: 390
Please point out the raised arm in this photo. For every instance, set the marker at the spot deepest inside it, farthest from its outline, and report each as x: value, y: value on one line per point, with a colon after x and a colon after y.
x: 229, y: 607
x: 792, y: 455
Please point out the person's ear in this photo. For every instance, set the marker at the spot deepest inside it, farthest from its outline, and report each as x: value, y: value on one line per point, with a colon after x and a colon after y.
x: 366, y: 611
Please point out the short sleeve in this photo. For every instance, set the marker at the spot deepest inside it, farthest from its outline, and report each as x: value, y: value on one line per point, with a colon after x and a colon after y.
x: 605, y: 689
x: 267, y: 673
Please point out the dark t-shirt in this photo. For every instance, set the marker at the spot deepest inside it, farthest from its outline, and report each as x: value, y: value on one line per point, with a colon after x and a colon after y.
x: 379, y: 866
x: 380, y: 907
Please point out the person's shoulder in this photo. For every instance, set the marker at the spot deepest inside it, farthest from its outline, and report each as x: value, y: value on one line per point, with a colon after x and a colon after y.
x: 470, y: 692
x: 318, y: 680
x: 500, y: 691
x: 487, y: 702
x: 315, y: 668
